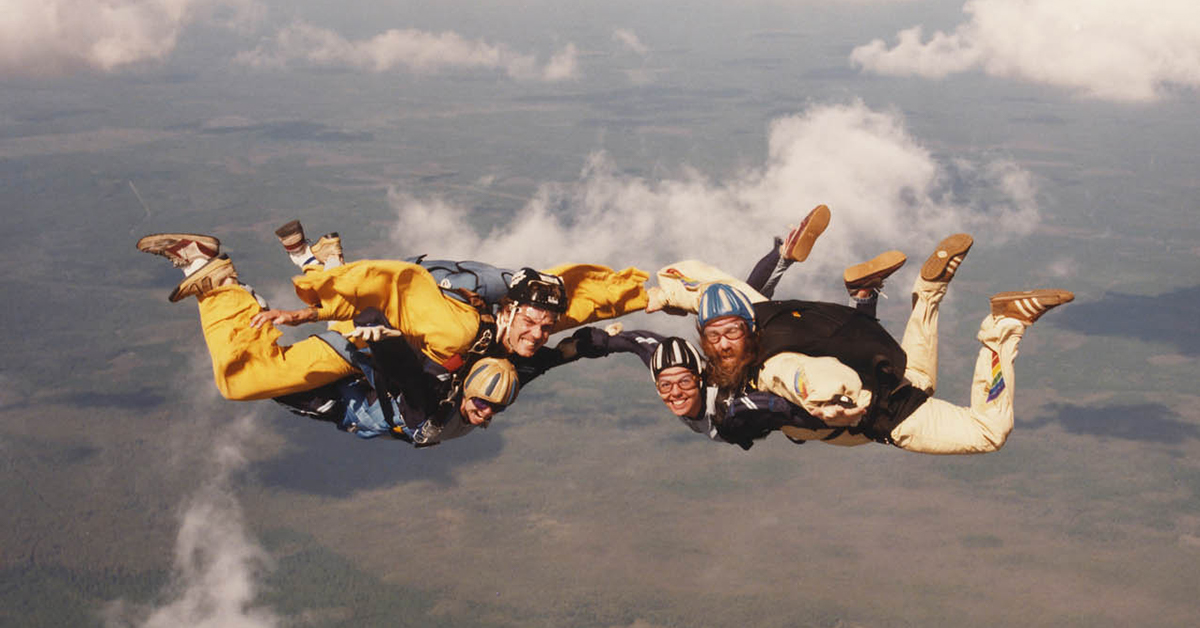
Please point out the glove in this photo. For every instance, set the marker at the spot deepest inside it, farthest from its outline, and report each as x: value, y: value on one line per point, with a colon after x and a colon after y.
x: 427, y: 434
x: 591, y: 342
x: 373, y: 333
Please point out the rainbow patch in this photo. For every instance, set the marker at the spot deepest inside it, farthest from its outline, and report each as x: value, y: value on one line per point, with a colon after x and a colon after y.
x: 799, y: 386
x: 690, y: 284
x: 997, y: 378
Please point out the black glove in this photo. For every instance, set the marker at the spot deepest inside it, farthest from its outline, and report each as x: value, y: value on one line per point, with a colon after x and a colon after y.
x: 591, y: 342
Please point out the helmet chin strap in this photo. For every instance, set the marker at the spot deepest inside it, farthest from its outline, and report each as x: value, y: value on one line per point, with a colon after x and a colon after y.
x: 503, y: 322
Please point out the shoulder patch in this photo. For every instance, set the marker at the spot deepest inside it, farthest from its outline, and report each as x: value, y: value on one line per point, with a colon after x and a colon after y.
x: 690, y: 284
x: 799, y: 386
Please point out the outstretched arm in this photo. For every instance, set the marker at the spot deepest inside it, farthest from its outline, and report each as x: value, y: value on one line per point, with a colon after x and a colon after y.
x: 284, y: 317
x: 756, y: 414
x: 593, y: 342
x: 682, y: 283
x: 597, y: 293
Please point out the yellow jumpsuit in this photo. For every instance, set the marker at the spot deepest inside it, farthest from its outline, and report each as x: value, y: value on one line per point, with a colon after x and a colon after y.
x: 249, y: 364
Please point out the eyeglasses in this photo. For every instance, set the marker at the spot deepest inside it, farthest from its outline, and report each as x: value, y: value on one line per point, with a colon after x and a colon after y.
x: 483, y: 404
x: 735, y: 332
x: 687, y: 382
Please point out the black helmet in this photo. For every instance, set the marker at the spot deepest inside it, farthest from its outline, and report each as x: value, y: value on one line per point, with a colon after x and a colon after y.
x: 674, y: 351
x: 546, y: 292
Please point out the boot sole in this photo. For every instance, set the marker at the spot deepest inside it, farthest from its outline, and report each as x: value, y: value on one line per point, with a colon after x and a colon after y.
x: 156, y: 243
x: 327, y: 246
x: 948, y: 249
x: 882, y: 266
x: 290, y: 228
x: 203, y: 279
x: 815, y: 224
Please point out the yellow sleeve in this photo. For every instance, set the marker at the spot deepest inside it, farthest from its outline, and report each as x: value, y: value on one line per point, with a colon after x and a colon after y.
x: 406, y: 294
x: 598, y: 292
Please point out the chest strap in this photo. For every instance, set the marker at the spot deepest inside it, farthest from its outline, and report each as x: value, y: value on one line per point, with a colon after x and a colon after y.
x: 361, y: 360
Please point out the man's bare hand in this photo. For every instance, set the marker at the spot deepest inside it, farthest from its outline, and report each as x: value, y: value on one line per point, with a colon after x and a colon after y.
x: 284, y: 317
x: 841, y: 412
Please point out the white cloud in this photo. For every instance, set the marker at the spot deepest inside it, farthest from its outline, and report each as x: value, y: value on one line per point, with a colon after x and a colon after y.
x: 563, y: 65
x: 1120, y: 50
x: 630, y: 40
x: 885, y: 189
x: 217, y: 564
x: 58, y: 37
x: 419, y: 51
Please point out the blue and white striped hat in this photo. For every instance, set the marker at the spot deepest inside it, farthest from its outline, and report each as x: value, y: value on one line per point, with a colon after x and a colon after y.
x: 720, y: 300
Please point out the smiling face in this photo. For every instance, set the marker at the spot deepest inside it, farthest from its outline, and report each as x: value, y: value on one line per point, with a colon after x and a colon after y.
x: 679, y: 389
x: 529, y: 330
x: 475, y: 412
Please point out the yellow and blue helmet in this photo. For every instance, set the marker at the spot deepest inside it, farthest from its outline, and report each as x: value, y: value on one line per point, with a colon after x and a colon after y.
x: 493, y: 380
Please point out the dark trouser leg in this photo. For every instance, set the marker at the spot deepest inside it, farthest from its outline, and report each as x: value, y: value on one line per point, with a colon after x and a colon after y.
x: 768, y: 271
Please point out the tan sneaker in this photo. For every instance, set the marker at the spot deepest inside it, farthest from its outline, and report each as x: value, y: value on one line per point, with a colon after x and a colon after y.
x: 1028, y: 305
x: 217, y: 272
x: 869, y: 275
x: 945, y: 259
x: 183, y: 249
x: 328, y: 248
x: 800, y: 240
x: 291, y: 236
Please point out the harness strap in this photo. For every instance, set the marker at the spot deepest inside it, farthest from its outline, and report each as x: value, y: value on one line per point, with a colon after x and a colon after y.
x: 460, y: 364
x: 361, y: 360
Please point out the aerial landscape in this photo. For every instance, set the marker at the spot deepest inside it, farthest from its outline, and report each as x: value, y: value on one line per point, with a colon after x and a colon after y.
x: 1061, y: 134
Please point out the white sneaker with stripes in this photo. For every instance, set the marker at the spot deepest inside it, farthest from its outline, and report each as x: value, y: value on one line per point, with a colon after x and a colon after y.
x: 1029, y: 305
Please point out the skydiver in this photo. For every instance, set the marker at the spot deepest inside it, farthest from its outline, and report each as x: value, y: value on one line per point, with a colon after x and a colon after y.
x: 678, y: 369
x: 402, y: 390
x: 248, y: 363
x: 490, y: 289
x: 356, y: 406
x: 844, y: 369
